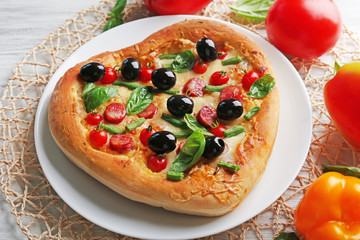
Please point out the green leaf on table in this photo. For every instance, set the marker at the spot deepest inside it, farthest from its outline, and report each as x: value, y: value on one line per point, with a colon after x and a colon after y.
x: 252, y: 9
x: 116, y: 15
x: 287, y: 236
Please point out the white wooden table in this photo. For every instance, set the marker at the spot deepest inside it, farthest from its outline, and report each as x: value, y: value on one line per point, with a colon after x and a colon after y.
x: 23, y: 23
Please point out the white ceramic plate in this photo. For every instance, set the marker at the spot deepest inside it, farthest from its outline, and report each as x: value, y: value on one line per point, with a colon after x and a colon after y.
x: 107, y: 209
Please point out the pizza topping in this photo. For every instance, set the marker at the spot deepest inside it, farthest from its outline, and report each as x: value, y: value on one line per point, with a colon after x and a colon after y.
x: 200, y: 67
x: 92, y: 72
x: 115, y: 113
x: 194, y: 125
x: 194, y: 87
x: 140, y: 98
x: 183, y: 62
x: 190, y: 152
x: 111, y: 129
x: 163, y: 78
x: 175, y: 176
x: 167, y: 56
x: 230, y: 61
x: 134, y: 124
x: 219, y: 78
x: 214, y: 147
x: 130, y: 69
x: 95, y: 96
x: 262, y: 87
x: 149, y: 112
x: 218, y: 130
x: 179, y: 105
x: 121, y: 142
x: 207, y: 116
x: 181, y: 144
x: 157, y: 163
x: 248, y: 79
x: 98, y: 138
x: 162, y: 142
x: 211, y: 88
x: 183, y: 134
x: 145, y: 134
x: 93, y: 119
x: 133, y: 85
x: 251, y: 113
x: 234, y: 131
x: 230, y: 166
x: 207, y: 50
x: 145, y: 73
x: 110, y: 76
x: 221, y: 54
x: 174, y: 121
x: 231, y: 92
x: 229, y: 109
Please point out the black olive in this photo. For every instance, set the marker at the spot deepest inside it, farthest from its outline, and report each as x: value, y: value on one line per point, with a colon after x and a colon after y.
x: 179, y: 105
x: 207, y: 50
x: 214, y: 147
x: 162, y: 142
x: 92, y: 72
x: 130, y: 69
x: 229, y: 109
x: 163, y: 78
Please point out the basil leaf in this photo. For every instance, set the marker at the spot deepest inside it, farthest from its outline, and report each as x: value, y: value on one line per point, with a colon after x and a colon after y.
x: 140, y: 98
x: 287, y: 236
x: 345, y: 170
x: 262, y: 87
x: 87, y: 88
x: 194, y: 125
x: 96, y: 96
x: 130, y: 85
x: 183, y: 62
x: 190, y: 153
x: 118, y: 8
x: 183, y: 134
x: 252, y: 9
x: 116, y: 15
x: 113, y: 22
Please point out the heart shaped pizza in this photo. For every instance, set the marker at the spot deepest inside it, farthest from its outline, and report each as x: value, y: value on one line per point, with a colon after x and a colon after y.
x: 184, y: 120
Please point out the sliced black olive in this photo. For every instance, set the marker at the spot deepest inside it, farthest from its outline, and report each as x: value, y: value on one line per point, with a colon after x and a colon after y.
x: 179, y: 105
x: 162, y: 142
x: 229, y: 109
x: 130, y: 69
x: 214, y: 147
x: 92, y: 72
x: 163, y: 78
x: 207, y: 50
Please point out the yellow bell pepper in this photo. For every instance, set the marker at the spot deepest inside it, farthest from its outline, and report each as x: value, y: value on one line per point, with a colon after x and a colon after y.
x: 330, y: 209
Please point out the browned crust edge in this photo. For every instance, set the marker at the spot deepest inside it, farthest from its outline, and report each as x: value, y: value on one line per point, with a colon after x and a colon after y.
x: 127, y: 177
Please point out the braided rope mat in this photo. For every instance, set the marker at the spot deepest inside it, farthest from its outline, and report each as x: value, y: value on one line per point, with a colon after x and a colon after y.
x: 40, y: 212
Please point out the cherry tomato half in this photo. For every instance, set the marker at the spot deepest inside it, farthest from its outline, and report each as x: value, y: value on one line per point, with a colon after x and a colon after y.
x: 110, y: 76
x: 200, y: 67
x: 98, y: 138
x: 157, y: 163
x: 172, y: 7
x: 219, y: 78
x: 248, y: 79
x: 218, y: 131
x: 145, y: 74
x: 303, y: 28
x: 93, y: 119
x: 221, y: 54
x: 145, y: 134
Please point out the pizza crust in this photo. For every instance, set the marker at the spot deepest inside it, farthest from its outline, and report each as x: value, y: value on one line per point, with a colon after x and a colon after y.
x: 201, y: 192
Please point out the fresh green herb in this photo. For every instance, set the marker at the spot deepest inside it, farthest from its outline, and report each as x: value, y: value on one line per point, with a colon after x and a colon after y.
x: 345, y: 170
x: 140, y: 98
x: 167, y: 56
x: 183, y: 134
x: 190, y: 152
x: 96, y: 96
x: 230, y: 166
x: 130, y: 85
x: 262, y: 87
x: 230, y: 61
x: 134, y: 124
x: 168, y: 91
x: 194, y: 125
x: 212, y: 88
x: 175, y: 176
x: 234, y: 131
x: 111, y: 129
x: 183, y: 62
x: 174, y: 121
x: 251, y: 113
x: 287, y: 236
x: 116, y: 15
x: 87, y: 88
x: 252, y: 9
x: 337, y: 66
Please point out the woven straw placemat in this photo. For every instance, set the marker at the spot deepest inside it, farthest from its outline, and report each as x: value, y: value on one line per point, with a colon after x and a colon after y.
x: 40, y: 212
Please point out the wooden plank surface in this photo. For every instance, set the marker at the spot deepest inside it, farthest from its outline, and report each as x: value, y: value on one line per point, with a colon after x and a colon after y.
x: 23, y: 23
